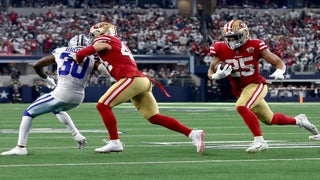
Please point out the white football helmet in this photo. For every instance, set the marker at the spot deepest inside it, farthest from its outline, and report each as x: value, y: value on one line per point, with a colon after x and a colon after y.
x: 103, y: 28
x: 235, y: 33
x: 79, y: 40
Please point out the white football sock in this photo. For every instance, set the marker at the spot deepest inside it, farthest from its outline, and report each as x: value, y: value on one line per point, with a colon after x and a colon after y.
x: 258, y: 138
x: 65, y: 119
x: 25, y: 126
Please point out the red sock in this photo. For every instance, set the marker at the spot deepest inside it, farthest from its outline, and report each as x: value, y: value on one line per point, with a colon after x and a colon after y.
x: 282, y: 119
x: 250, y: 119
x: 170, y: 123
x: 109, y: 120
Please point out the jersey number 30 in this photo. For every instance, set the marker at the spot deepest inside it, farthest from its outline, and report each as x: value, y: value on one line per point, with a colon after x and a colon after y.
x: 72, y: 68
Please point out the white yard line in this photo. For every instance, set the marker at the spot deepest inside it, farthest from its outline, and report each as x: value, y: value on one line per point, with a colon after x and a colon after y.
x: 157, y: 162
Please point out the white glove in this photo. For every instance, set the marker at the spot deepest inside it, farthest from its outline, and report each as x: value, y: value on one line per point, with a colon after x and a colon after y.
x: 50, y: 83
x: 278, y: 74
x: 103, y: 68
x: 226, y: 71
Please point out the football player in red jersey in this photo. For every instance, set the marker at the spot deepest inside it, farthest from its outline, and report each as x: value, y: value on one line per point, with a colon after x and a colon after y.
x: 131, y: 84
x: 241, y: 56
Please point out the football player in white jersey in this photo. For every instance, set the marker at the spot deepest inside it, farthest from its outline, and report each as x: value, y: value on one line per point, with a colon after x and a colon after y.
x: 67, y: 94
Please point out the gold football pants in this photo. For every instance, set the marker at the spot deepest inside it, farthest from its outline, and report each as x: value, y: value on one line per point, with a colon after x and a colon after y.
x: 138, y: 90
x: 252, y: 97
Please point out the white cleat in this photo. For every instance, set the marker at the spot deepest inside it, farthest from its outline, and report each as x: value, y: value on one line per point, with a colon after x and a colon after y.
x: 110, y: 147
x: 257, y: 146
x: 81, y: 140
x: 315, y: 137
x: 197, y: 137
x: 18, y: 151
x: 303, y: 121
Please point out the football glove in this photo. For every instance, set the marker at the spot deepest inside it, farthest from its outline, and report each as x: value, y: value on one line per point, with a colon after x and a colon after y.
x: 50, y: 83
x: 222, y: 73
x: 278, y: 74
x: 103, y: 67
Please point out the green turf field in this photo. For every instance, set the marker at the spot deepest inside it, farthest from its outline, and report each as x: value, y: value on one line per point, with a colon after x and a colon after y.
x: 153, y: 152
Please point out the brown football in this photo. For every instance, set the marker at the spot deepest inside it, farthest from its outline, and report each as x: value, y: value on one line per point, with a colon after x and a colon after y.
x: 222, y: 65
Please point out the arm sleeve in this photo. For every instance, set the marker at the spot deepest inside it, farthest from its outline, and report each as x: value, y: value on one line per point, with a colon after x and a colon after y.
x: 84, y: 53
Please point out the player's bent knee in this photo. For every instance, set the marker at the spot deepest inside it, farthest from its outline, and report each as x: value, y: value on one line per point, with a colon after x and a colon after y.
x: 26, y: 113
x: 101, y: 107
x: 147, y: 114
x: 241, y: 108
x: 154, y: 119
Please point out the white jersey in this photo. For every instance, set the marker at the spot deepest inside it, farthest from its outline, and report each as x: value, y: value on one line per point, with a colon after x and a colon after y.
x: 72, y: 77
x: 69, y: 92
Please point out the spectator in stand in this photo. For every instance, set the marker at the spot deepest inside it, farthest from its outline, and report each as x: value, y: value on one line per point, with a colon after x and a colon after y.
x: 13, y: 16
x: 16, y: 96
x: 141, y: 46
x: 7, y: 46
x: 290, y: 62
x: 204, y: 50
x: 15, y: 73
x: 151, y: 73
x: 274, y: 92
x: 48, y: 43
x: 318, y: 66
x: 185, y: 73
x: 314, y: 91
x: 34, y: 46
x: 15, y: 88
x: 194, y: 51
x: 144, y: 71
x: 183, y: 39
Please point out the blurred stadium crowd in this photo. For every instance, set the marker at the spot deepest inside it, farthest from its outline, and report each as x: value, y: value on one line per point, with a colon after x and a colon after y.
x: 293, y: 35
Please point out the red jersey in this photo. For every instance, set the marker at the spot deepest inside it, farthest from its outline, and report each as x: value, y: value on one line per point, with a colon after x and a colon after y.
x: 120, y: 59
x: 244, y: 61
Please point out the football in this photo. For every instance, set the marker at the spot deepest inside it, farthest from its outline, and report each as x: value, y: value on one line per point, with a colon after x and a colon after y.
x: 221, y: 67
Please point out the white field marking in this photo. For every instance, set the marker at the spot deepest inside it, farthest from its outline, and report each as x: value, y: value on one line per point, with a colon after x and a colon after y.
x: 54, y: 130
x: 244, y: 144
x: 158, y: 162
x: 213, y: 105
x: 211, y: 142
x: 190, y: 107
x: 270, y: 147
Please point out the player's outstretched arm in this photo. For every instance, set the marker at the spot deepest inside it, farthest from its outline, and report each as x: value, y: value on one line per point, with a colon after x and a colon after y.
x: 90, y: 50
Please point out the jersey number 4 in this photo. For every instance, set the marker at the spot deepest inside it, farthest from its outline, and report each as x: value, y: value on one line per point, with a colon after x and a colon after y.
x: 126, y: 51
